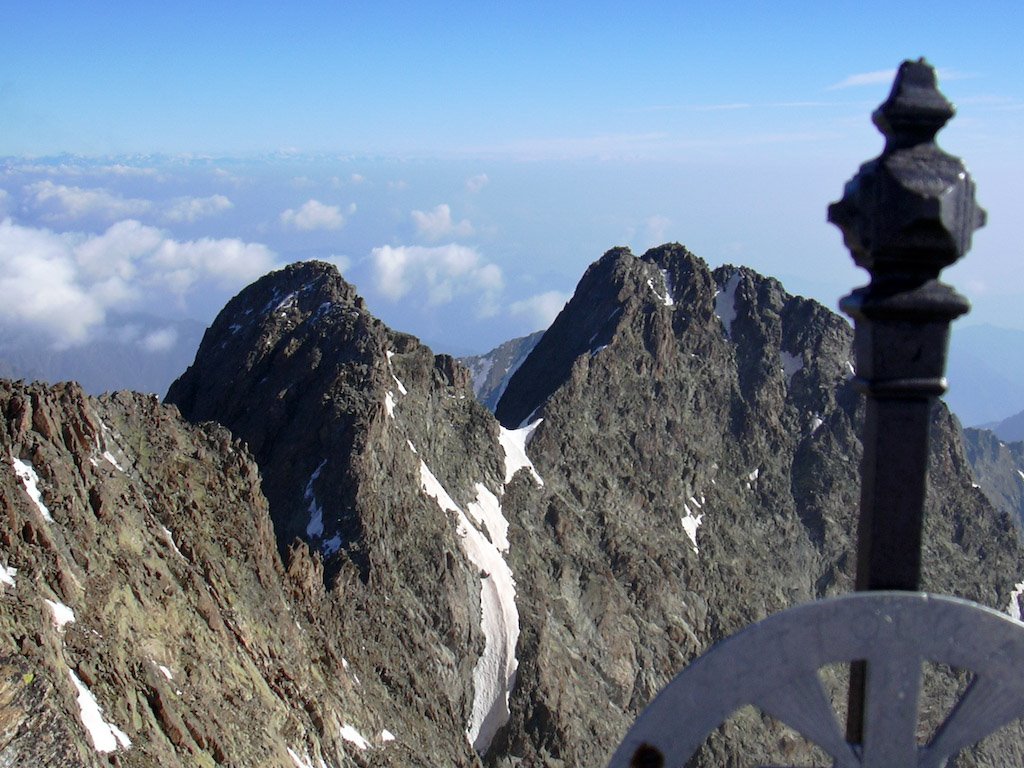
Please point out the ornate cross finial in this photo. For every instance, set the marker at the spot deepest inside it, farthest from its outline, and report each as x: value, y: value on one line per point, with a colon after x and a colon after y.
x: 910, y: 211
x: 905, y: 216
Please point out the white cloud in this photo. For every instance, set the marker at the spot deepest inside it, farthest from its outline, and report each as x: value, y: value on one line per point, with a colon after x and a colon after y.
x: 475, y: 183
x: 864, y: 78
x: 444, y: 271
x: 315, y: 215
x: 160, y: 340
x: 435, y: 224
x: 189, y: 209
x: 541, y: 309
x: 58, y: 202
x: 357, y: 178
x: 61, y: 285
x: 4, y: 201
x: 40, y: 286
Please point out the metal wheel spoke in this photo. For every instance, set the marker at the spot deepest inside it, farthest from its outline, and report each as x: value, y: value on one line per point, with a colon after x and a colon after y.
x: 890, y: 718
x: 986, y: 705
x: 804, y: 706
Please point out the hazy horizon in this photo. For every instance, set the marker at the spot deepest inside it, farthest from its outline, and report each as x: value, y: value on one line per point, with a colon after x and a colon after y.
x: 462, y: 164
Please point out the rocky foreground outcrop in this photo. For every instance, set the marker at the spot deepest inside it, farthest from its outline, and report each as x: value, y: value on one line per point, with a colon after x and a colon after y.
x: 146, y: 618
x: 363, y: 566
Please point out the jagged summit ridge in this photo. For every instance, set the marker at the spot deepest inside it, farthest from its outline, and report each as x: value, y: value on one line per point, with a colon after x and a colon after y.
x: 416, y: 585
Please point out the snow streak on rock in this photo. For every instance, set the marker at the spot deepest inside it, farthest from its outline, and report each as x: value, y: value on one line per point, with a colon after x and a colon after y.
x: 692, y: 520
x: 62, y: 615
x: 513, y: 442
x: 495, y: 670
x: 352, y: 736
x: 105, y: 736
x: 30, y: 480
x: 7, y: 575
x: 1014, y: 607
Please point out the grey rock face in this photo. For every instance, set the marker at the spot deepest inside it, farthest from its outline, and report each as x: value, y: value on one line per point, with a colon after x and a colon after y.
x: 334, y: 567
x: 997, y: 469
x: 141, y: 572
x: 680, y: 400
x: 492, y: 371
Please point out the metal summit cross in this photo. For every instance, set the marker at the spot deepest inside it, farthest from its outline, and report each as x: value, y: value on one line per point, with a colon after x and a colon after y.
x: 905, y: 216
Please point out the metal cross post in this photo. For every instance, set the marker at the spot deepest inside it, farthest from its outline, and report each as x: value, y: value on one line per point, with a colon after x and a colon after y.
x: 905, y: 216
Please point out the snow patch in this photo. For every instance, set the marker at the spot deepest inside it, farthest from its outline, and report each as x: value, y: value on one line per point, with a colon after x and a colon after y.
x: 411, y: 446
x: 351, y: 735
x: 7, y: 575
x: 815, y: 423
x: 514, y: 442
x: 165, y: 671
x: 790, y: 364
x: 725, y: 303
x: 1019, y: 472
x: 386, y: 736
x: 486, y: 511
x: 1014, y: 607
x: 401, y: 386
x: 300, y: 762
x: 315, y: 526
x: 850, y: 370
x: 170, y: 540
x: 495, y: 671
x: 62, y: 615
x: 670, y: 298
x: 389, y: 403
x: 752, y: 477
x: 106, y: 737
x: 666, y: 300
x: 110, y: 458
x: 27, y: 474
x: 691, y: 523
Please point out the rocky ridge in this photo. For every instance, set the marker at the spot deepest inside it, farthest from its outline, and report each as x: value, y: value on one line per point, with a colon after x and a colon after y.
x: 693, y: 461
x: 146, y: 616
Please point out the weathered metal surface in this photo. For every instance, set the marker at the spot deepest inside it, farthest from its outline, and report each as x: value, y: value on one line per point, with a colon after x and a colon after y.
x: 773, y: 665
x: 905, y: 216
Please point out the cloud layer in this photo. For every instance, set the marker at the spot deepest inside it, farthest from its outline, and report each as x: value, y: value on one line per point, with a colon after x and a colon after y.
x: 437, y: 224
x: 61, y: 285
x: 315, y: 215
x: 440, y: 272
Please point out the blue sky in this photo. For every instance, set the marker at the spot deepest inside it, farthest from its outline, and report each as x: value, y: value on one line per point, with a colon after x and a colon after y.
x: 480, y: 155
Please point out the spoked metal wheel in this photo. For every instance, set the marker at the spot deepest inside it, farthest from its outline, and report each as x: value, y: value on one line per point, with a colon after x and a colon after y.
x: 773, y: 665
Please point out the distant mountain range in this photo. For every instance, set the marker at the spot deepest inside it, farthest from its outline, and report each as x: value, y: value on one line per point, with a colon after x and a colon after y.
x: 324, y: 551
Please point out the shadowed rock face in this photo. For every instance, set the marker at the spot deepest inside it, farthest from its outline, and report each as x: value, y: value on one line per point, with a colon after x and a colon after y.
x: 699, y: 454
